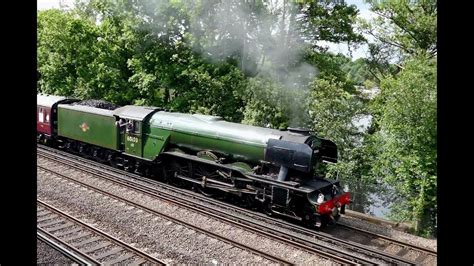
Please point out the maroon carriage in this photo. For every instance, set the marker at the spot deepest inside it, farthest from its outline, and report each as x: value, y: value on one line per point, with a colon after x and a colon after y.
x: 46, y: 113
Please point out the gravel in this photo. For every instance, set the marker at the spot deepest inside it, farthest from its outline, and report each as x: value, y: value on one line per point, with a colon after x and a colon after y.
x: 48, y: 255
x: 265, y: 244
x: 291, y: 254
x: 154, y: 235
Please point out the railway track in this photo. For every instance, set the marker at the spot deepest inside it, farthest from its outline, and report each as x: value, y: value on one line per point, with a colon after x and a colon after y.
x: 177, y: 221
x: 68, y: 253
x: 282, y: 229
x: 334, y: 256
x: 400, y: 248
x: 83, y: 243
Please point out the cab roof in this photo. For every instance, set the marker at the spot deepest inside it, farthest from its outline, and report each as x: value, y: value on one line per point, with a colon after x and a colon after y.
x: 135, y: 112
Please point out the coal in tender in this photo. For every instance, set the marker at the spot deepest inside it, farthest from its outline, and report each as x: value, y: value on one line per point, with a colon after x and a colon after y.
x: 98, y: 104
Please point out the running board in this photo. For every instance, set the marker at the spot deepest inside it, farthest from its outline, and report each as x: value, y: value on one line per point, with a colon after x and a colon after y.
x: 294, y: 186
x: 217, y: 184
x: 294, y: 216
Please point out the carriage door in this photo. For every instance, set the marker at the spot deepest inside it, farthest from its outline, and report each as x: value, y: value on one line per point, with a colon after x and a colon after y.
x: 133, y: 138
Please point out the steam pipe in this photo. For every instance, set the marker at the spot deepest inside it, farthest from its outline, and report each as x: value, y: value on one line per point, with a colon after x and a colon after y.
x: 283, y: 173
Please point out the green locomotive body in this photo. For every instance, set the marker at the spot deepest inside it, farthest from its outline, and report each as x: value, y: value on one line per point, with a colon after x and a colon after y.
x: 201, y: 132
x: 274, y: 169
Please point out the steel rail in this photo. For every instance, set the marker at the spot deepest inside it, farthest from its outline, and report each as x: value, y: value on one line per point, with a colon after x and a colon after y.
x: 321, y: 236
x: 321, y: 250
x: 390, y: 239
x: 170, y: 218
x: 65, y: 249
x: 96, y: 231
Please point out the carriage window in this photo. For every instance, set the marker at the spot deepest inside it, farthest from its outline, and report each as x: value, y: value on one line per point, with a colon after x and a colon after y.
x: 47, y: 118
x: 41, y: 115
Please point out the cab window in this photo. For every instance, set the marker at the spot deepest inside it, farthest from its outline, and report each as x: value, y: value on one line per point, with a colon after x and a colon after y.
x: 136, y: 126
x: 133, y: 126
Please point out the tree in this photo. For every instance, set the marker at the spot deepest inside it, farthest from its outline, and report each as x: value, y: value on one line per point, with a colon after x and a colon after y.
x: 408, y: 25
x: 269, y: 104
x: 331, y: 21
x: 401, y: 30
x: 135, y: 53
x: 66, y: 47
x: 333, y: 112
x: 78, y: 58
x: 332, y: 67
x: 357, y: 71
x: 403, y: 142
x: 406, y: 143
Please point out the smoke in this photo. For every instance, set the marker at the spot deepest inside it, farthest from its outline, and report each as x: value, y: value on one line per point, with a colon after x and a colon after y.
x: 263, y: 38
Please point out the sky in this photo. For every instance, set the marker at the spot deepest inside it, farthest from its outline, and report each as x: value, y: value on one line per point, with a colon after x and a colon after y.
x: 363, y: 7
x: 47, y: 4
x: 361, y: 52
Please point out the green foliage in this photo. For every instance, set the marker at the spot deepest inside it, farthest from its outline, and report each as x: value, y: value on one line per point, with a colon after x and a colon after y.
x: 65, y: 51
x: 331, y: 67
x: 253, y: 62
x: 357, y: 71
x: 408, y: 25
x: 81, y: 59
x: 217, y: 89
x: 125, y: 60
x: 401, y: 30
x: 329, y: 21
x: 332, y: 111
x: 268, y: 104
x: 403, y: 146
x: 406, y: 143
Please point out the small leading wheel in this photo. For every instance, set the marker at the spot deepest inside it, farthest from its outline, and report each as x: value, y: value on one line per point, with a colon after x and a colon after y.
x: 309, y: 218
x: 334, y: 216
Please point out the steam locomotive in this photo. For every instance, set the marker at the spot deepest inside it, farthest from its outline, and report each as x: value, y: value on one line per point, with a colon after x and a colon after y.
x: 273, y: 170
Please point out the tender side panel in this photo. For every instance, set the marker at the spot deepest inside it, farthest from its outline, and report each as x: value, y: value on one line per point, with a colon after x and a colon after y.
x: 91, y: 128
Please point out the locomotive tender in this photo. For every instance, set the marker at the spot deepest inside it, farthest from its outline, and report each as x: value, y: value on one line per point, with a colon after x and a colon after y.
x: 271, y: 169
